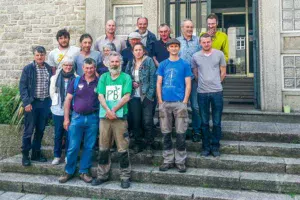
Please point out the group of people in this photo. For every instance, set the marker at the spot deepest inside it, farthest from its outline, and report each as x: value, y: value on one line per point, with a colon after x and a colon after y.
x: 110, y: 94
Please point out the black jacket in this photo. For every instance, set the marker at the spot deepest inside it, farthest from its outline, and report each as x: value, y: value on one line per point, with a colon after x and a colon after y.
x: 28, y: 83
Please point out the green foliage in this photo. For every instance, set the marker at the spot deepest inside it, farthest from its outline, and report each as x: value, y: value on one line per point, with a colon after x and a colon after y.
x: 9, y: 102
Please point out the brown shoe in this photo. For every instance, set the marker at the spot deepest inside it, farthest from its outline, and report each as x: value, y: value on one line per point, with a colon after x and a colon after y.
x: 166, y: 166
x: 86, y: 178
x: 181, y: 168
x: 65, y: 177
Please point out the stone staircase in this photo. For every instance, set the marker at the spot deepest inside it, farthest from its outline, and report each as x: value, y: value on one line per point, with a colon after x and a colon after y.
x: 260, y: 160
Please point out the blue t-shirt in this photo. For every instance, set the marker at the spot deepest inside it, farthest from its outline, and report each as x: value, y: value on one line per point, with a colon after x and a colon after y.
x: 173, y: 83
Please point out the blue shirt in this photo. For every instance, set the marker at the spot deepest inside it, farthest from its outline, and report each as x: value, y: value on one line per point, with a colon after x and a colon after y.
x: 188, y: 48
x: 160, y: 51
x: 78, y: 61
x: 127, y: 57
x: 173, y: 83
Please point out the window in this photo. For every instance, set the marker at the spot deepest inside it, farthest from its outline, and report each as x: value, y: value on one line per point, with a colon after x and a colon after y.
x: 240, y: 43
x: 125, y: 17
x: 290, y: 15
x: 291, y: 72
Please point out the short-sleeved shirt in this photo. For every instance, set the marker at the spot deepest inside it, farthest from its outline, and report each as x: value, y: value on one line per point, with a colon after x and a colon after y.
x: 188, y: 47
x: 160, y: 51
x: 173, y: 82
x: 118, y: 41
x: 86, y: 98
x: 209, y: 79
x: 56, y: 56
x: 78, y: 62
x: 122, y: 83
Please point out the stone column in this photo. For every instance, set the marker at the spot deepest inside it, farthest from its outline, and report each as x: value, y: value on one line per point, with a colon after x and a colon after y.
x: 96, y: 14
x: 270, y: 62
x: 151, y: 11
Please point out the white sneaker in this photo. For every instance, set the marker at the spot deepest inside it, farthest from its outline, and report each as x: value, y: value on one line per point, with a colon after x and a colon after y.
x: 56, y: 161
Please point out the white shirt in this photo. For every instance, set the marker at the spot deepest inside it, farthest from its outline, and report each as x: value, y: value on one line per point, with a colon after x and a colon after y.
x: 56, y: 56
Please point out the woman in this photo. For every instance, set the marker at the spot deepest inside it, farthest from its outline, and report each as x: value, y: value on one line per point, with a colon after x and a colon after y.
x: 142, y: 70
x: 103, y: 67
x: 86, y: 42
x: 58, y: 90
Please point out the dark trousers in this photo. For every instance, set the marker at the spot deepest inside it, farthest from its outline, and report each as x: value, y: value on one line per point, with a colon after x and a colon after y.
x: 35, y: 121
x: 59, y: 132
x: 211, y: 141
x: 142, y: 120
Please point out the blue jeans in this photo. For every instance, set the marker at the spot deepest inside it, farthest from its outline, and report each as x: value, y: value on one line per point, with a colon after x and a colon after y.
x: 196, y: 120
x: 59, y: 132
x: 35, y: 121
x: 82, y: 126
x: 211, y: 141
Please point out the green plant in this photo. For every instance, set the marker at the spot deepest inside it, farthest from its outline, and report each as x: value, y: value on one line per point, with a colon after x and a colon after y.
x: 9, y: 101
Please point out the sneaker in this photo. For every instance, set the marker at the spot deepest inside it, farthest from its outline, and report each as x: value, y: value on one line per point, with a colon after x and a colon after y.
x: 166, y: 166
x: 205, y: 153
x: 98, y: 181
x: 196, y: 137
x: 125, y: 183
x: 65, y: 177
x: 149, y: 152
x: 85, y: 177
x: 181, y: 168
x: 216, y: 153
x: 56, y: 161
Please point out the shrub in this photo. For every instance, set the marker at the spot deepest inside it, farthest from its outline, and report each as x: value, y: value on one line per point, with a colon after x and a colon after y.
x: 8, y: 95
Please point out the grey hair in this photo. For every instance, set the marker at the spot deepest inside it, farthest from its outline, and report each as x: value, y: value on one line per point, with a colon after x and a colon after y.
x: 89, y: 61
x: 163, y: 25
x: 113, y: 54
x: 39, y: 49
x: 185, y: 20
x: 67, y: 60
x: 107, y: 46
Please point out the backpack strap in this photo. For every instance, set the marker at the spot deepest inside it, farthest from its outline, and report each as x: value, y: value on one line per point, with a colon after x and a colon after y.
x: 76, y: 82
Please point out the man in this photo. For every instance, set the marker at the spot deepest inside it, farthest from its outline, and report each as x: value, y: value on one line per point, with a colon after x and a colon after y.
x: 160, y: 48
x: 111, y: 38
x: 63, y: 52
x: 114, y: 90
x: 127, y: 54
x: 189, y: 46
x: 147, y: 37
x: 34, y: 90
x: 173, y: 91
x: 209, y: 68
x: 84, y: 124
x: 220, y: 39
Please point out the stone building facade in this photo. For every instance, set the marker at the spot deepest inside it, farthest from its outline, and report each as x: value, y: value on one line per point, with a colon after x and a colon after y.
x: 26, y: 23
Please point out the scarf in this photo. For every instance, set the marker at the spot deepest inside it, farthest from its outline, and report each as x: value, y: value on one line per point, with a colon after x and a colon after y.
x: 60, y: 84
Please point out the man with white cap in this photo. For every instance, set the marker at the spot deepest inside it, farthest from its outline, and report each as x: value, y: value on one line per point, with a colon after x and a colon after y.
x: 127, y: 55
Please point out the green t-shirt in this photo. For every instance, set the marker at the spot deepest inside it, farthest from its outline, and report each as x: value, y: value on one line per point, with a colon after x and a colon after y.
x: 114, y: 90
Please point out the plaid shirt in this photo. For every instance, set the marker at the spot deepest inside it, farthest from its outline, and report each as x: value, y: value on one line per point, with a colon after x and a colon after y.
x: 42, y: 82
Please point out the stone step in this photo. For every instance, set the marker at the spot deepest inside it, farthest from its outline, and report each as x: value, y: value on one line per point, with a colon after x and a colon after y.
x: 141, y: 191
x: 224, y: 162
x: 238, y: 131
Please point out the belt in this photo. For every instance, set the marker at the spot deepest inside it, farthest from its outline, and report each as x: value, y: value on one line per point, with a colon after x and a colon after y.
x: 88, y: 113
x: 41, y: 99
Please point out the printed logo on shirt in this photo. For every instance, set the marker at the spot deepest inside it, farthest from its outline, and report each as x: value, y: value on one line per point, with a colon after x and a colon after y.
x: 80, y: 86
x: 113, y: 92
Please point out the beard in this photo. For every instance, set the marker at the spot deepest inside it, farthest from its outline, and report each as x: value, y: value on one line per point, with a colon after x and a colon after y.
x: 114, y: 70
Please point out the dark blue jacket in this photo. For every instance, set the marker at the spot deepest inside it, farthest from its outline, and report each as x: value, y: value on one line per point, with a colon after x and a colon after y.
x: 28, y: 83
x: 151, y: 38
x: 147, y: 76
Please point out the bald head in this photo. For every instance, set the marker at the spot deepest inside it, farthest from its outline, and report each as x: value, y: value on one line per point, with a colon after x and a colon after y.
x: 110, y: 27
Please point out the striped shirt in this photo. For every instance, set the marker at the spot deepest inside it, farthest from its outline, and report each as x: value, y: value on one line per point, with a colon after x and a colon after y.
x: 42, y: 82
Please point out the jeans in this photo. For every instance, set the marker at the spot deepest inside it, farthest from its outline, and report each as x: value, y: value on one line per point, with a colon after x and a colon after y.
x: 35, y: 121
x: 142, y: 121
x: 211, y: 141
x: 59, y: 132
x: 86, y: 127
x: 196, y: 120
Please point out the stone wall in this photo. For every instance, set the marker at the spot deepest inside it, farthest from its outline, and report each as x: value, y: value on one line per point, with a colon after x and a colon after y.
x: 27, y: 23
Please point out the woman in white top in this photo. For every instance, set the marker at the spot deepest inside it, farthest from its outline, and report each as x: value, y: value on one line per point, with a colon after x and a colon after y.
x: 58, y: 89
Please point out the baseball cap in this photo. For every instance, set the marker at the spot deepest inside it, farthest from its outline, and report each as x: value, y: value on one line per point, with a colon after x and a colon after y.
x: 173, y: 41
x: 134, y: 35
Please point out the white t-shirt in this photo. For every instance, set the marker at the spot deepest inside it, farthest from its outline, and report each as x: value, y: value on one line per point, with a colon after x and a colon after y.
x: 136, y: 77
x: 56, y: 56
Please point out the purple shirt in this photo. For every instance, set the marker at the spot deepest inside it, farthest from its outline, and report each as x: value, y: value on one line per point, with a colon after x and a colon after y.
x: 86, y: 99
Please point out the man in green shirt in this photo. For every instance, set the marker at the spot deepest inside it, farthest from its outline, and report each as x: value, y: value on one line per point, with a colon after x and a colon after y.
x: 220, y: 39
x: 114, y: 90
